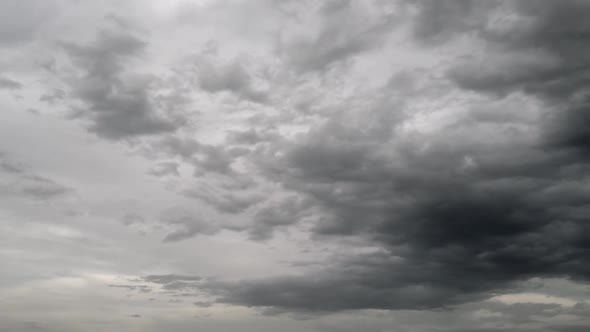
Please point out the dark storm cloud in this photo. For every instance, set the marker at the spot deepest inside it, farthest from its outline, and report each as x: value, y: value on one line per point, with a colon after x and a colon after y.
x: 571, y: 328
x: 424, y: 213
x: 230, y: 77
x: 460, y: 213
x: 366, y: 282
x: 204, y: 158
x: 118, y: 103
x: 8, y: 84
x: 543, y: 56
x: 213, y: 159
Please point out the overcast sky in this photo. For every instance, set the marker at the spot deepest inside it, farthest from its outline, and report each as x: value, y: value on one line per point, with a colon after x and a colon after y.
x: 282, y: 165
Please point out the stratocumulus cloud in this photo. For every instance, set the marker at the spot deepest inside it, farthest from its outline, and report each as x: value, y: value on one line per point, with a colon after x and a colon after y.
x: 331, y: 165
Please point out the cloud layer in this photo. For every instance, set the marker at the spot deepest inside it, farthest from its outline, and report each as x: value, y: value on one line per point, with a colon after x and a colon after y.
x: 421, y: 165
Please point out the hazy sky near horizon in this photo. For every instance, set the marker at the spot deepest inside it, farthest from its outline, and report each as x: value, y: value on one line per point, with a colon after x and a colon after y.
x: 282, y: 165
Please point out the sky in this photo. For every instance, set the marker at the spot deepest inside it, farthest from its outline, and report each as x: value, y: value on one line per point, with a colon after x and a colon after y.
x: 282, y: 165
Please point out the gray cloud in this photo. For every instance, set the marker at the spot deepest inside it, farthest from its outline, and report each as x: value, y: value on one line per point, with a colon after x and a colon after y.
x: 571, y: 328
x: 165, y: 168
x: 357, y: 165
x: 18, y: 180
x: 459, y: 233
x: 354, y: 285
x: 231, y: 77
x: 8, y: 84
x: 186, y: 224
x: 225, y: 202
x: 437, y: 21
x: 119, y: 105
x: 205, y: 158
x: 132, y: 218
x: 539, y: 55
x: 42, y: 188
x: 53, y: 96
x: 137, y: 288
x: 203, y: 304
x: 287, y: 212
x: 20, y: 21
x: 458, y: 214
x: 333, y: 41
x: 169, y: 278
x: 181, y: 285
x: 251, y: 137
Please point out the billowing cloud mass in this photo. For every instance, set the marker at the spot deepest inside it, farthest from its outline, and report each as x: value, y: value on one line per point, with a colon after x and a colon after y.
x: 295, y: 165
x: 118, y: 106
